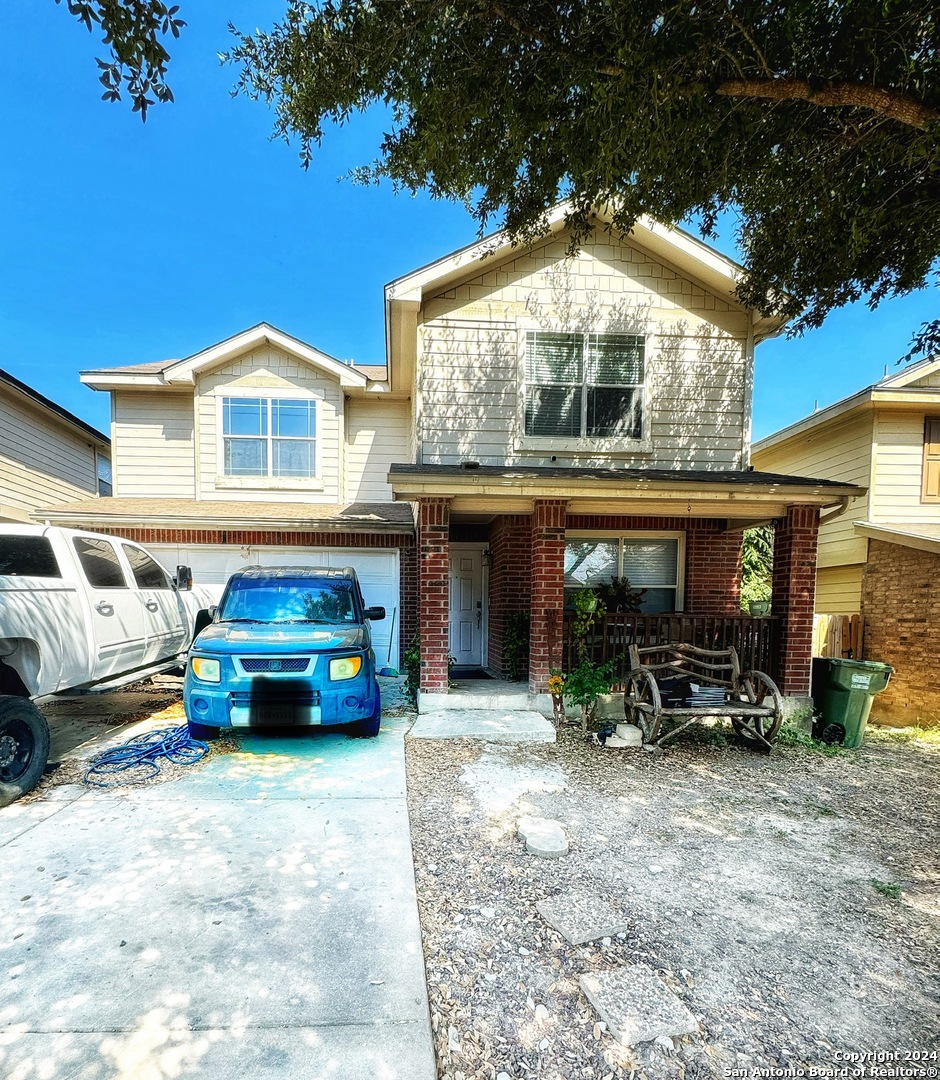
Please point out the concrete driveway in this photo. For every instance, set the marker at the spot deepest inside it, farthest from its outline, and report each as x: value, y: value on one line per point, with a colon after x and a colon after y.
x: 254, y: 919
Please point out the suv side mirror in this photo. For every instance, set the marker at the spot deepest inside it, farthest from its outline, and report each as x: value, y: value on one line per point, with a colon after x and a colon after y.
x: 374, y: 614
x: 183, y: 579
x: 203, y: 618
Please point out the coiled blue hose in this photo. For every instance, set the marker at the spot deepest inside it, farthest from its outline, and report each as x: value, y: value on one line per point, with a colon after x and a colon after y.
x: 144, y: 752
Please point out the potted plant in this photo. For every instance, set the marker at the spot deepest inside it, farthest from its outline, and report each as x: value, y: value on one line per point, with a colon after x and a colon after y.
x: 619, y: 595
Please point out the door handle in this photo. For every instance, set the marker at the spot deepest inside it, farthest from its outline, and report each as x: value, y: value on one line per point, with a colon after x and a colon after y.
x: 104, y: 607
x: 151, y: 605
x: 479, y: 618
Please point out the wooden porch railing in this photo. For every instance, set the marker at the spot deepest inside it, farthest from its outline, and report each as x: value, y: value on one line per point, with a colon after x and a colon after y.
x: 754, y: 639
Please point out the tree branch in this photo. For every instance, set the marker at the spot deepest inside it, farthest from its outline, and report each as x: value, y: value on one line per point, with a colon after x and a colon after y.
x: 894, y: 104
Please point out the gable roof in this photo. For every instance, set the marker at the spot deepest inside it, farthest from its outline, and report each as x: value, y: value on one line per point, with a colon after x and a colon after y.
x: 894, y: 390
x: 181, y: 373
x: 47, y: 405
x: 686, y: 254
x: 912, y: 373
x: 694, y: 258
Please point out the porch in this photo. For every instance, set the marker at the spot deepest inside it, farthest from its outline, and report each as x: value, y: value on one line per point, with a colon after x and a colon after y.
x: 499, y: 549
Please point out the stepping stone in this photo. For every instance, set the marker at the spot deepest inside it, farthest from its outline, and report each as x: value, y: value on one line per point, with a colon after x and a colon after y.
x: 630, y: 734
x: 543, y: 837
x: 580, y: 916
x: 636, y: 1005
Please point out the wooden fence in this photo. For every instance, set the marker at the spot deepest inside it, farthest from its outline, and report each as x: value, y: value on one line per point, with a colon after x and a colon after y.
x: 838, y: 636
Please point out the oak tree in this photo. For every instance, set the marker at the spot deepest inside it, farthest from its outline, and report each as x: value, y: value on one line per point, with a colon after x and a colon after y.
x: 814, y: 121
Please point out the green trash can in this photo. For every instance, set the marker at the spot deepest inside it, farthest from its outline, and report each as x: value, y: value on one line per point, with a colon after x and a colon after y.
x: 851, y: 686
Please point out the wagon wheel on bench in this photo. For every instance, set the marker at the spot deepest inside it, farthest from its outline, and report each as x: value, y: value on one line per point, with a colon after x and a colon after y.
x: 642, y: 704
x: 759, y: 731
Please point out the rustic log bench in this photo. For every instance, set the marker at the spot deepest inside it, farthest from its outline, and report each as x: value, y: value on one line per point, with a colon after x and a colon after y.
x: 660, y: 682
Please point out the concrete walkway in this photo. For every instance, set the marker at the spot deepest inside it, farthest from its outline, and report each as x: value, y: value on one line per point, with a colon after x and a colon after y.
x: 255, y: 919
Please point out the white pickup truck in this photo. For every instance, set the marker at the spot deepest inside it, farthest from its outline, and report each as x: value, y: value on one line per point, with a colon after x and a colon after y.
x: 78, y: 611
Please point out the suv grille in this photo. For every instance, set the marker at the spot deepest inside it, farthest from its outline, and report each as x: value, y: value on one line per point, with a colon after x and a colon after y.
x: 254, y: 664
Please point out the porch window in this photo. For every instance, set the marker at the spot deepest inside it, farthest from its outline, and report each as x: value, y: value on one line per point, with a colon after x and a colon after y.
x: 653, y: 563
x: 269, y: 437
x: 584, y: 385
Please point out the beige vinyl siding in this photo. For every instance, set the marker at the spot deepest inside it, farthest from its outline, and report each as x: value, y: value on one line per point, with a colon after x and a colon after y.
x: 841, y: 451
x: 926, y: 382
x: 42, y: 462
x: 378, y: 433
x: 898, y: 471
x: 153, y: 444
x: 265, y: 372
x: 470, y: 373
x: 839, y: 590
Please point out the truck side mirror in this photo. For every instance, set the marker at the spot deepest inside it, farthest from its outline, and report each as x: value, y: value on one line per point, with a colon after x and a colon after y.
x: 183, y: 579
x: 374, y: 614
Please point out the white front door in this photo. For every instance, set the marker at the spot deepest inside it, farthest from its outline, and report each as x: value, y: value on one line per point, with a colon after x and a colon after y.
x: 466, y: 606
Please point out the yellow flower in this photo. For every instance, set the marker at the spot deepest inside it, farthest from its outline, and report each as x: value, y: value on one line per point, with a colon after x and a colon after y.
x: 556, y: 684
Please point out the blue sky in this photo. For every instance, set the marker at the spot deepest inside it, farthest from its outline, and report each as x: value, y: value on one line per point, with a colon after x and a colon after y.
x: 124, y: 243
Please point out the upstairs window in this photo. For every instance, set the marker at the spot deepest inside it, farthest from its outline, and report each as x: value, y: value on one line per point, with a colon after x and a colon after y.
x: 103, y: 470
x: 930, y: 489
x: 265, y: 437
x: 584, y: 385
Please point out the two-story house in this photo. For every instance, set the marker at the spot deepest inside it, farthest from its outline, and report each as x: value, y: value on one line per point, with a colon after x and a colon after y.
x: 881, y: 557
x: 48, y: 456
x: 545, y: 420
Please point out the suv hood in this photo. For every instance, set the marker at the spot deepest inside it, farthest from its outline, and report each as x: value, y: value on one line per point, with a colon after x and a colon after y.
x: 279, y: 637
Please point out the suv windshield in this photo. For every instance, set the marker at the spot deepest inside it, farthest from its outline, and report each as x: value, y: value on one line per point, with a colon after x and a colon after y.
x: 288, y: 600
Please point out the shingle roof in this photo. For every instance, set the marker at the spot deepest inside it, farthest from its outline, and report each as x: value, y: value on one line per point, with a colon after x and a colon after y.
x: 349, y: 517
x: 743, y: 478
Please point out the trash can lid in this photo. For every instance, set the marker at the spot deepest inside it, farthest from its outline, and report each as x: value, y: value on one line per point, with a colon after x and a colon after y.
x: 861, y: 665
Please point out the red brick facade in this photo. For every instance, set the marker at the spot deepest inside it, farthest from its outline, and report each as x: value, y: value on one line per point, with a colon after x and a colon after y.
x: 794, y: 594
x: 510, y: 545
x: 434, y: 591
x: 547, y: 595
x: 408, y: 563
x: 901, y: 606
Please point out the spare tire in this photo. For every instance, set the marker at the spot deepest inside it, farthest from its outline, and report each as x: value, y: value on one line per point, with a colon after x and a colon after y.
x: 24, y: 747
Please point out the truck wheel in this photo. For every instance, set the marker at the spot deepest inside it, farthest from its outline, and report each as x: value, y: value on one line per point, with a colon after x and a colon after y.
x: 24, y: 747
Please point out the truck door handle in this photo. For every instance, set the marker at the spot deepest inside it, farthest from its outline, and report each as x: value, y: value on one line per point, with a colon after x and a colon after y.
x: 104, y: 607
x: 151, y: 605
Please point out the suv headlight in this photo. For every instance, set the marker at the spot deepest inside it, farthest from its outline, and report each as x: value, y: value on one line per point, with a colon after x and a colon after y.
x: 206, y: 669
x: 345, y: 667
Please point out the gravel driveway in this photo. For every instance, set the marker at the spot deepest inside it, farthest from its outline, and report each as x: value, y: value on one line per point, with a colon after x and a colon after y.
x: 791, y: 902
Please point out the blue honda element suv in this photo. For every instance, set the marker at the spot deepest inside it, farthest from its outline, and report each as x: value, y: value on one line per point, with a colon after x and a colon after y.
x: 286, y: 646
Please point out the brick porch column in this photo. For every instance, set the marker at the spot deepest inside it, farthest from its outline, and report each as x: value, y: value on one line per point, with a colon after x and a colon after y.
x: 794, y: 595
x: 433, y: 591
x: 547, y: 595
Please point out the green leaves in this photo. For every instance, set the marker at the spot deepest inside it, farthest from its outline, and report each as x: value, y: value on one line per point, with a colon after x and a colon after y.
x: 817, y: 122
x: 137, y: 60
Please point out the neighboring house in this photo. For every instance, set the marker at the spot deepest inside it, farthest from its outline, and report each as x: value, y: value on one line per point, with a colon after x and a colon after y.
x: 552, y: 420
x: 881, y: 556
x: 47, y: 455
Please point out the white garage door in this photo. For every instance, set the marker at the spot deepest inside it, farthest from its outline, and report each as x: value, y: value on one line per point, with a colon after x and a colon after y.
x: 214, y: 564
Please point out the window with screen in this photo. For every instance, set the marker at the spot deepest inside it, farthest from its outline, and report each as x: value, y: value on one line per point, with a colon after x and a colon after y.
x: 649, y: 562
x: 584, y: 385
x: 269, y: 437
x: 148, y: 573
x: 99, y: 562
